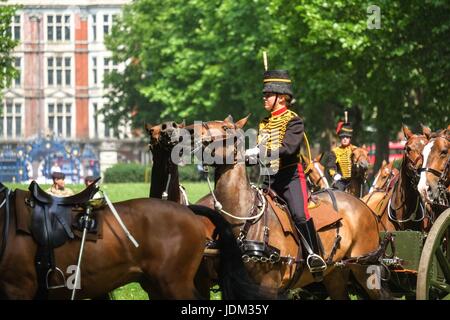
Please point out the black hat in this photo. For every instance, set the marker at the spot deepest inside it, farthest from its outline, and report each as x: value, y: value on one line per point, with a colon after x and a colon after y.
x: 277, y: 81
x: 58, y: 175
x: 344, y: 129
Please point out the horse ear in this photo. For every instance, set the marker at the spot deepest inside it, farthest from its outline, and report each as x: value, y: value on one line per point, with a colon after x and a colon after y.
x: 318, y: 157
x: 182, y: 124
x: 148, y: 128
x: 241, y: 123
x: 229, y: 119
x: 408, y: 133
x: 383, y: 164
x: 364, y: 146
x: 426, y: 131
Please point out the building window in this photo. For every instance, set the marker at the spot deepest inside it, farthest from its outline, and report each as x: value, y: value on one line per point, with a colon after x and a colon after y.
x: 60, y: 119
x: 59, y: 71
x: 11, y: 120
x: 15, y: 28
x: 108, y: 66
x: 94, y: 70
x: 18, y: 66
x: 94, y: 27
x: 106, y: 24
x: 58, y: 27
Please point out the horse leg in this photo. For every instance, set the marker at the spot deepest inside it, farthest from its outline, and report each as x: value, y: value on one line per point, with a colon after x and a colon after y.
x: 336, y: 284
x: 202, y: 279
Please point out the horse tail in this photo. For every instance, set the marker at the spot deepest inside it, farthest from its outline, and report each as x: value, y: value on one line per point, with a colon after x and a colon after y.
x: 234, y: 279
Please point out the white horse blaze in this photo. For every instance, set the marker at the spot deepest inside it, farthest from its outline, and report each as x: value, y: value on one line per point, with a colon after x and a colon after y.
x: 423, y: 186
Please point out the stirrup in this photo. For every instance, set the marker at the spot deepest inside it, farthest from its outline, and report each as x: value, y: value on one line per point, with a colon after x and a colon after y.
x: 58, y: 271
x: 313, y: 270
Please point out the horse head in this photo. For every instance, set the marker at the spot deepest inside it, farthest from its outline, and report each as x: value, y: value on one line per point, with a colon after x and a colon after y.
x: 220, y: 141
x: 166, y: 134
x: 360, y: 162
x: 314, y: 172
x: 384, y: 177
x: 435, y: 172
x: 413, y: 158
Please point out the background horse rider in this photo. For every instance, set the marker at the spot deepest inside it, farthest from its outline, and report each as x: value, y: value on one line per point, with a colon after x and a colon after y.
x: 339, y: 162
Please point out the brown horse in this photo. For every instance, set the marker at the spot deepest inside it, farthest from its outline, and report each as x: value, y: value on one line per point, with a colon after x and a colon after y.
x: 380, y: 192
x: 360, y: 164
x: 434, y: 183
x: 357, y: 225
x: 171, y: 241
x: 164, y: 182
x: 405, y: 207
x: 163, y: 138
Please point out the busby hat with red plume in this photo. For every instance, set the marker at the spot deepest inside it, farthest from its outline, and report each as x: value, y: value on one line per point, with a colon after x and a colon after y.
x: 344, y: 128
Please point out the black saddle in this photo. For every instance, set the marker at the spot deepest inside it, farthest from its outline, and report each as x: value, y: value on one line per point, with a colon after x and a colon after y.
x: 51, y: 227
x: 52, y: 218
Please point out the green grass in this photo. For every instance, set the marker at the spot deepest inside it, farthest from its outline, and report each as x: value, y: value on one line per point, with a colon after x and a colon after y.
x: 125, y: 191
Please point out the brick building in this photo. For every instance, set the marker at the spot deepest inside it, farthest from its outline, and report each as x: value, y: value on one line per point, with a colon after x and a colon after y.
x: 62, y: 60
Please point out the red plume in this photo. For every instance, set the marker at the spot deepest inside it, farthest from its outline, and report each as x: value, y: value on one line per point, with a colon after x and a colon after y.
x: 339, y: 126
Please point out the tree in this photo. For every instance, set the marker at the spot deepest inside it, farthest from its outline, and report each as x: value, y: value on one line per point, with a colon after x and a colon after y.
x: 202, y: 60
x: 7, y: 44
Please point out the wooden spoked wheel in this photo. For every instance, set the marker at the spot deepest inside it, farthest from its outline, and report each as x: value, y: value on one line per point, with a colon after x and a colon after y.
x: 433, y: 277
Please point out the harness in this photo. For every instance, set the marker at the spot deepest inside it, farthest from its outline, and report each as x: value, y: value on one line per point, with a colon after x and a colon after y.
x: 6, y: 203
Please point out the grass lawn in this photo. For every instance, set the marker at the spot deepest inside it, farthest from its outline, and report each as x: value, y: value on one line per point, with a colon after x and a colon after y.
x: 124, y: 191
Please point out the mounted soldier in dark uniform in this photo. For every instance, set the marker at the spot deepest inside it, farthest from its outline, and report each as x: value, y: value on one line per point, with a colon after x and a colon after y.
x: 280, y: 137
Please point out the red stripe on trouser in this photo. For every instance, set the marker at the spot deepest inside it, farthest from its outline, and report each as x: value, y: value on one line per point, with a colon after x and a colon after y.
x: 304, y: 194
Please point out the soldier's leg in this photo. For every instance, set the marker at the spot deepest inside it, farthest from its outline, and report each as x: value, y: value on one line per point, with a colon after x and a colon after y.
x: 297, y: 198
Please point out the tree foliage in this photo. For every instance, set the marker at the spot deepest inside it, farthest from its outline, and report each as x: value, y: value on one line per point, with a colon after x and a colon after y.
x: 7, y: 44
x: 202, y: 60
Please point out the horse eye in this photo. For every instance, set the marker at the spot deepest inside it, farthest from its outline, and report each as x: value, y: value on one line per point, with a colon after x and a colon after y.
x: 444, y: 152
x: 408, y: 149
x: 164, y: 126
x: 174, y: 124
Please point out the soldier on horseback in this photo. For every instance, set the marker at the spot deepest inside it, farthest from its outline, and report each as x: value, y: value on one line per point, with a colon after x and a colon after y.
x: 339, y: 162
x: 279, y: 140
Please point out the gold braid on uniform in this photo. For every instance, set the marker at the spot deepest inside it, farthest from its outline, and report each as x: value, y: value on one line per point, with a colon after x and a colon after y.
x: 275, y: 126
x: 344, y: 160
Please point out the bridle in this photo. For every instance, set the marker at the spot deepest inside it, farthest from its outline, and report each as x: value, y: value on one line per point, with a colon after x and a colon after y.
x: 204, y: 142
x: 309, y: 170
x: 442, y: 199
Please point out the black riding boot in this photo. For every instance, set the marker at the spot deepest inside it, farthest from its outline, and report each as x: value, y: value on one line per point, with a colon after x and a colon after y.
x: 313, y: 257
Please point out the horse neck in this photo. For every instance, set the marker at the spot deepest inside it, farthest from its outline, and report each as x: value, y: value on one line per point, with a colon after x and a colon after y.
x: 404, y: 197
x: 162, y: 167
x: 355, y: 186
x: 232, y: 189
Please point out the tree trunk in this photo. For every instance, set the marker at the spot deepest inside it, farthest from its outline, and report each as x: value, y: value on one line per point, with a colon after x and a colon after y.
x: 382, y: 138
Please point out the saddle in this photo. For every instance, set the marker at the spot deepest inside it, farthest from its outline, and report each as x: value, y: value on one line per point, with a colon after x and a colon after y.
x: 51, y: 227
x: 52, y: 216
x: 321, y: 220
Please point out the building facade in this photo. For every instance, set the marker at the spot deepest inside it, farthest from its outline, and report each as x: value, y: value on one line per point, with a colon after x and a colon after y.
x: 59, y: 92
